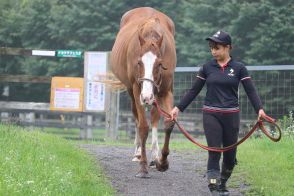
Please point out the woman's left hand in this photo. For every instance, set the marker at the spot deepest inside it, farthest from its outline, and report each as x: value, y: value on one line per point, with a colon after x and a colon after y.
x: 261, y: 114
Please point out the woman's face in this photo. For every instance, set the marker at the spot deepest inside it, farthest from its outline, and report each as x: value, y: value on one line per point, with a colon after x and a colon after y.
x: 220, y: 52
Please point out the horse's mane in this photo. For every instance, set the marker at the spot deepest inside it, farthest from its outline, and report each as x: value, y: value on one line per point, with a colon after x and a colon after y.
x: 152, y: 24
x: 129, y: 31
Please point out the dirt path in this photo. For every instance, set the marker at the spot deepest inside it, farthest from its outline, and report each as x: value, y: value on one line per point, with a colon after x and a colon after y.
x: 185, y: 176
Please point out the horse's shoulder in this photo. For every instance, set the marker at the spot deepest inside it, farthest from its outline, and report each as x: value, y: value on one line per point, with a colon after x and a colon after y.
x: 169, y: 24
x: 172, y: 27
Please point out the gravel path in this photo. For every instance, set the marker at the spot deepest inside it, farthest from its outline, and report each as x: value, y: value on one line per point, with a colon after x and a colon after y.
x: 184, y: 177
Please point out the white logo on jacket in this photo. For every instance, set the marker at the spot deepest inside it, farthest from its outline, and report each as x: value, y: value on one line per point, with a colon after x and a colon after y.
x: 231, y: 73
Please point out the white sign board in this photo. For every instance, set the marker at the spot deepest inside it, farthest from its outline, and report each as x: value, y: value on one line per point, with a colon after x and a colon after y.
x: 94, y: 67
x: 96, y: 96
x: 72, y: 97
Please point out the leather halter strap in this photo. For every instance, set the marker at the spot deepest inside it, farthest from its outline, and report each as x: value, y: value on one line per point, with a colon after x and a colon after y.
x: 140, y: 80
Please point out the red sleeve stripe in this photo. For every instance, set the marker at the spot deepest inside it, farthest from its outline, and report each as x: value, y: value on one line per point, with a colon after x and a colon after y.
x: 245, y: 78
x: 201, y: 78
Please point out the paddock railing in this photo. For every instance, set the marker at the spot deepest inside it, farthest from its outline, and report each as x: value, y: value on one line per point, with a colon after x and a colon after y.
x: 32, y: 114
x: 274, y: 85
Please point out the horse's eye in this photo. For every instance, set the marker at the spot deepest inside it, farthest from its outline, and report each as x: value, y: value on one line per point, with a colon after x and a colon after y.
x: 162, y: 66
x: 140, y: 62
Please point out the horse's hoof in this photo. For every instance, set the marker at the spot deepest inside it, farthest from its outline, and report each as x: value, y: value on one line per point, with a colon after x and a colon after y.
x: 135, y: 159
x: 152, y: 164
x: 142, y: 175
x: 162, y: 166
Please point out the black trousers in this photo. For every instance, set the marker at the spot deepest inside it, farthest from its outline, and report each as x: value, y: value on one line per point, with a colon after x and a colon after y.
x: 221, y: 130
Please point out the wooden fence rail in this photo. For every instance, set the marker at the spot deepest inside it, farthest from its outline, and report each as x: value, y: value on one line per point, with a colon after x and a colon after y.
x: 25, y: 78
x: 39, y: 115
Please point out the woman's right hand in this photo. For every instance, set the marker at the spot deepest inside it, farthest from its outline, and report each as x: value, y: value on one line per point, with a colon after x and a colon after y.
x: 174, y: 114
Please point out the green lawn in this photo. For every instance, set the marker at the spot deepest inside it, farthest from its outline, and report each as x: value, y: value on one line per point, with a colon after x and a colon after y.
x: 34, y: 163
x: 267, y: 167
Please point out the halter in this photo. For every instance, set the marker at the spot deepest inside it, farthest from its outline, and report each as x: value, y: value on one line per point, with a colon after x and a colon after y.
x: 140, y: 80
x: 156, y: 83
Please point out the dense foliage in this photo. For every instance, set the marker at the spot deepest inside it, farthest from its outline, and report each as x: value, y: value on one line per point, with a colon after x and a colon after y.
x: 262, y: 32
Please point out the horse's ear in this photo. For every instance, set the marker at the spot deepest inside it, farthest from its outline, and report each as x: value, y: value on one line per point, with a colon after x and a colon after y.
x: 141, y: 39
x: 159, y: 42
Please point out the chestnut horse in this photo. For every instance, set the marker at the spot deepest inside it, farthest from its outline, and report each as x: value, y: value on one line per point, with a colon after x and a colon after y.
x: 143, y: 58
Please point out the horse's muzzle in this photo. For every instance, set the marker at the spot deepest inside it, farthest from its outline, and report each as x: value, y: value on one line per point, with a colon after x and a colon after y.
x: 147, y: 99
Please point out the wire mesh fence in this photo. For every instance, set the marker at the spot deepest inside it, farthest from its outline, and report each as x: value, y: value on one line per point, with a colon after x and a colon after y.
x: 274, y: 84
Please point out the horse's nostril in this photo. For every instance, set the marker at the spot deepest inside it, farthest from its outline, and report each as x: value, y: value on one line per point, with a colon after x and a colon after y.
x: 145, y: 100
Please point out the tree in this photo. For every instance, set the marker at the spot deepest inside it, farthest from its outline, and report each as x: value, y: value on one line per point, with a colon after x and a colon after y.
x: 262, y: 31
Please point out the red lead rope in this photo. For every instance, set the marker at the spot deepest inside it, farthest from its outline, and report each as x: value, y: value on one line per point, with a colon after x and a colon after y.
x: 258, y: 124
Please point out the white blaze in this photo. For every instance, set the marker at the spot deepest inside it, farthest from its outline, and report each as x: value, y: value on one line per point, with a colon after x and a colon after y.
x: 148, y: 60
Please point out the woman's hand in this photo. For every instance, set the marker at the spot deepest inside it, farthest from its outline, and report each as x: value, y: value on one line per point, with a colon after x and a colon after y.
x: 261, y: 114
x: 174, y: 114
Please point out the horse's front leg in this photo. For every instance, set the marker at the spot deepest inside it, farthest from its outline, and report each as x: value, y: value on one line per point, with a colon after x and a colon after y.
x: 154, y: 146
x: 167, y: 103
x: 137, y: 142
x: 143, y: 129
x: 143, y: 133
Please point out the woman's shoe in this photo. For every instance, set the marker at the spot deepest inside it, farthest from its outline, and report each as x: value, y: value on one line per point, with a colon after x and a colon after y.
x: 222, y: 189
x: 213, y: 188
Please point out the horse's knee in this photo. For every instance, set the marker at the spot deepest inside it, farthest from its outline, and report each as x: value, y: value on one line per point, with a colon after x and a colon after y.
x: 143, y: 127
x: 143, y: 131
x: 169, y: 126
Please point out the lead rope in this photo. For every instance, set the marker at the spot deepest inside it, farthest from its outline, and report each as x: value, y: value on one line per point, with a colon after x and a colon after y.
x: 258, y: 124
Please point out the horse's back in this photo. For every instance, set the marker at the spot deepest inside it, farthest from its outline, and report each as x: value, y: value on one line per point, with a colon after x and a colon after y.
x: 142, y: 13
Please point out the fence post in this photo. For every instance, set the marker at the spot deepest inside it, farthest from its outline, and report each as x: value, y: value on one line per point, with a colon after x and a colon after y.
x: 112, y: 113
x: 89, y: 132
x: 31, y: 119
x: 82, y: 127
x: 4, y: 116
x: 21, y: 117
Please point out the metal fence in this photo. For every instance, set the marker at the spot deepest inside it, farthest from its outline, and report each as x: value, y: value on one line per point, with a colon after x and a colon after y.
x: 274, y: 84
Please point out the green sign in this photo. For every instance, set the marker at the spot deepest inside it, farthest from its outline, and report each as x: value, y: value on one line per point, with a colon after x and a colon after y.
x: 69, y: 53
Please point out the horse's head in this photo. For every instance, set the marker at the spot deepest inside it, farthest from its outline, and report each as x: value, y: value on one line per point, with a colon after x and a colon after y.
x: 149, y: 66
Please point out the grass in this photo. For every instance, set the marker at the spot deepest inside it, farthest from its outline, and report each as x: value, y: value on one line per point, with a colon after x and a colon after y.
x: 267, y: 167
x: 99, y: 135
x: 34, y: 163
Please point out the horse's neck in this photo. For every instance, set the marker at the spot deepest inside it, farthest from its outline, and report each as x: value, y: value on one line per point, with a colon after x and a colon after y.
x: 150, y: 26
